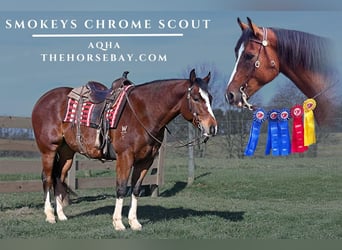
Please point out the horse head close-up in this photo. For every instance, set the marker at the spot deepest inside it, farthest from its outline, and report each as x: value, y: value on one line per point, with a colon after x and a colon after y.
x: 198, y: 109
x: 262, y: 53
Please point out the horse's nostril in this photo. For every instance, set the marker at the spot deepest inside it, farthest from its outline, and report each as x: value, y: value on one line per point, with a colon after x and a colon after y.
x: 212, y: 130
x: 230, y: 97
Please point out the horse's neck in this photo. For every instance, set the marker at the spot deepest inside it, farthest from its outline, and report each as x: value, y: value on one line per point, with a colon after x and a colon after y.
x: 164, y: 99
x: 314, y: 86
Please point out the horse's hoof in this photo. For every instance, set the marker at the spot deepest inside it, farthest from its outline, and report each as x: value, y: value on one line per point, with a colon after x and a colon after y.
x: 62, y: 218
x: 118, y: 225
x: 136, y: 228
x: 51, y: 220
x: 135, y: 225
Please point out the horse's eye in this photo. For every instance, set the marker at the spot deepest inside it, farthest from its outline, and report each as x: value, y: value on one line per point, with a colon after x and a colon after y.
x: 196, y: 98
x: 248, y: 56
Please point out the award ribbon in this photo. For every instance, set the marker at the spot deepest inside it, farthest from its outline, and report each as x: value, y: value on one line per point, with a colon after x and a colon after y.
x: 309, y: 122
x: 297, y: 145
x: 258, y: 118
x: 273, y: 134
x: 283, y: 127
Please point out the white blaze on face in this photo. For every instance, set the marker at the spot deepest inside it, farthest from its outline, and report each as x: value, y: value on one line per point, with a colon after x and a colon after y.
x: 205, y: 96
x: 242, y: 48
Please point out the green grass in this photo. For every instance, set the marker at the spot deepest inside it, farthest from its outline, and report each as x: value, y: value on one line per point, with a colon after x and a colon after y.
x: 271, y: 198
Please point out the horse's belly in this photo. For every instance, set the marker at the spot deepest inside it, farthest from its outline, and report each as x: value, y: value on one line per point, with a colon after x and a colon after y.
x: 82, y: 142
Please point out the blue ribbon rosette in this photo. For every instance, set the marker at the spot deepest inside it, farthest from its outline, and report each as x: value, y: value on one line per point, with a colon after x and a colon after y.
x: 278, y: 138
x: 273, y: 134
x: 259, y: 117
x: 283, y: 126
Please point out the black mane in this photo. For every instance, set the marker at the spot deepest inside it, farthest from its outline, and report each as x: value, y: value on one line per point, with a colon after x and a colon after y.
x: 298, y: 48
x: 198, y: 81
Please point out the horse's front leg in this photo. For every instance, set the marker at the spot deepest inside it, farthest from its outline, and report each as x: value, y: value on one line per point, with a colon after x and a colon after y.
x: 117, y: 215
x: 123, y: 169
x: 137, y: 177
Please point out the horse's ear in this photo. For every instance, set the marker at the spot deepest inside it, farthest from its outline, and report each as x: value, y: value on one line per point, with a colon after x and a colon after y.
x: 242, y: 25
x: 207, y: 78
x: 192, y: 76
x: 255, y: 29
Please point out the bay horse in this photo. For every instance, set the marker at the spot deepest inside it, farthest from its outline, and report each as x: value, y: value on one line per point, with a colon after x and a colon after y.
x: 262, y: 53
x: 149, y: 108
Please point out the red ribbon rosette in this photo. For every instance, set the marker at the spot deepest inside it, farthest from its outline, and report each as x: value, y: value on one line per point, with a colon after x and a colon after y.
x: 297, y: 145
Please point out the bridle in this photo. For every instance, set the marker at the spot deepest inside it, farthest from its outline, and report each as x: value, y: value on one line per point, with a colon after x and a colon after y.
x: 263, y: 44
x: 195, y: 120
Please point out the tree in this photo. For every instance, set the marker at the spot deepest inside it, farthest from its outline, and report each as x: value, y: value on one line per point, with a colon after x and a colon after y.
x: 287, y: 96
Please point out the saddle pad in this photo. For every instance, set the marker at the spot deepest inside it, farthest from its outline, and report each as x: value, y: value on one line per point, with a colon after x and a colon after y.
x: 86, y: 111
x: 114, y: 113
x: 86, y: 118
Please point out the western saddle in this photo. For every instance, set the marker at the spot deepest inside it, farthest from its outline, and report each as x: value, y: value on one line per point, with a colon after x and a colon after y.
x: 99, y: 92
x: 103, y: 98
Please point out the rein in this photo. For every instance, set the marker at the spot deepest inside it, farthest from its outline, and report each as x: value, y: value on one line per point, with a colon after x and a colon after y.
x: 192, y: 142
x: 324, y: 90
x: 136, y: 117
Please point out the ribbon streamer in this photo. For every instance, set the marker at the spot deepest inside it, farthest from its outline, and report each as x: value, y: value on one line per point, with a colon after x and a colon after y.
x: 283, y: 126
x: 309, y: 122
x: 273, y: 136
x: 297, y: 145
x: 258, y: 118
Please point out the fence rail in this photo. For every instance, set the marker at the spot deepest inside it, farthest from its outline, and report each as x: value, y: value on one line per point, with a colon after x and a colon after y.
x: 154, y: 179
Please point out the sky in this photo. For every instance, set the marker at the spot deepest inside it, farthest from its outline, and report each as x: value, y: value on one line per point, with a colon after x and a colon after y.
x: 31, y: 65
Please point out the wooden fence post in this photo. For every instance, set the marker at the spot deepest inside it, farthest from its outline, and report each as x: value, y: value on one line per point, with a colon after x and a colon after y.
x: 71, y: 179
x: 159, y: 162
x: 191, y: 163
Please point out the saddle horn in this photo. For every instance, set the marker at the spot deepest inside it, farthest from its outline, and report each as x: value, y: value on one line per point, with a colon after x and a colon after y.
x: 124, y: 74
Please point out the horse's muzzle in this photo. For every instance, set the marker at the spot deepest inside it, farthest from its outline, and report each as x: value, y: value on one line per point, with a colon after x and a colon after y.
x: 211, y: 131
x: 234, y: 98
x: 239, y: 99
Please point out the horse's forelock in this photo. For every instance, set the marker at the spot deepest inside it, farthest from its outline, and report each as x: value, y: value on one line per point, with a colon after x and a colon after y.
x: 245, y: 36
x: 202, y: 84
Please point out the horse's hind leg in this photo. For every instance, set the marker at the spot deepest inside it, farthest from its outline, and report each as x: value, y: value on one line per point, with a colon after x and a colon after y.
x: 62, y: 167
x: 55, y: 169
x: 48, y: 162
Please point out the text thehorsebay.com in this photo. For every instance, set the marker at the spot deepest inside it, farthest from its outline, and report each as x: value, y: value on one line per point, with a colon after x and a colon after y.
x: 101, y: 46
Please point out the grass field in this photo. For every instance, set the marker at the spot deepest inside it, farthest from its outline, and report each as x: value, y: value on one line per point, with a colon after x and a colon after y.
x: 271, y: 198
